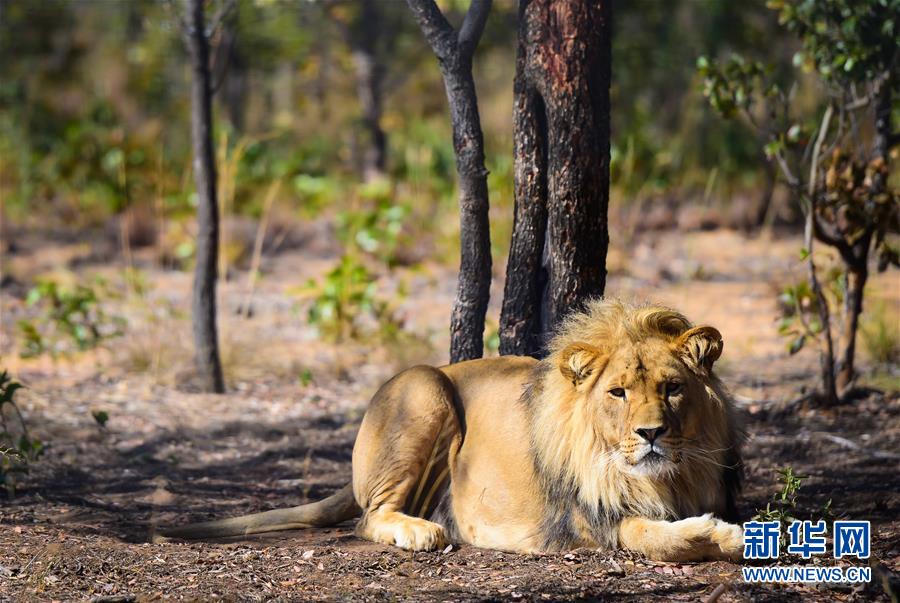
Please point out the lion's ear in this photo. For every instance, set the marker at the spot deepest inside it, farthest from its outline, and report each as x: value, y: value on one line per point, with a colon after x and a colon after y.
x: 700, y: 347
x: 578, y: 360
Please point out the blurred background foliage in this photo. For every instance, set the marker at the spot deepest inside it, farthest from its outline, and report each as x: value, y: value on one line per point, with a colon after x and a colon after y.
x: 94, y: 110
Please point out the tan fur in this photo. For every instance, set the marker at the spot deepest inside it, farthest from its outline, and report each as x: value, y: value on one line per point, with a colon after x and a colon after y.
x: 621, y: 436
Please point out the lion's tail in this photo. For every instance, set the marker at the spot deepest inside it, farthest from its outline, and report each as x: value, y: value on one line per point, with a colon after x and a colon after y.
x: 338, y: 507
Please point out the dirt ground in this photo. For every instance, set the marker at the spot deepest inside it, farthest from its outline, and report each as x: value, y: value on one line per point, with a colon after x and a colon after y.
x: 78, y: 527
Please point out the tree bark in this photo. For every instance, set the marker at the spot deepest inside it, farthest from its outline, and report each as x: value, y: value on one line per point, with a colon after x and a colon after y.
x: 454, y: 52
x: 526, y: 277
x: 206, y: 352
x: 561, y: 167
x: 854, y: 285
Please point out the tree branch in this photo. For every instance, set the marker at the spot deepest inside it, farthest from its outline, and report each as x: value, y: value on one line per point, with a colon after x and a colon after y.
x: 472, y: 27
x: 222, y: 56
x: 438, y: 32
x: 792, y: 180
x: 224, y: 10
x: 184, y: 27
x: 817, y: 148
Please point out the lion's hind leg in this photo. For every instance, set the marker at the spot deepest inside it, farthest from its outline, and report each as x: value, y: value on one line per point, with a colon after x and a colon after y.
x: 692, y: 539
x: 400, y: 459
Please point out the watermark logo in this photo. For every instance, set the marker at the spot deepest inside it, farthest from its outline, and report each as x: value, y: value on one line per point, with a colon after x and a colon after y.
x: 852, y: 539
x: 762, y: 540
x: 807, y: 538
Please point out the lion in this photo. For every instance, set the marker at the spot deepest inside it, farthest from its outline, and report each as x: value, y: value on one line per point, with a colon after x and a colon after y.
x: 622, y: 436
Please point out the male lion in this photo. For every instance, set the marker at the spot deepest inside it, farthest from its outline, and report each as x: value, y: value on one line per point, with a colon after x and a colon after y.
x: 621, y: 436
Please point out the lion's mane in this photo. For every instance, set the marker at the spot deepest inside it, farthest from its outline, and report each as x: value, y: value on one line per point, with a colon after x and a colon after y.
x: 585, y: 490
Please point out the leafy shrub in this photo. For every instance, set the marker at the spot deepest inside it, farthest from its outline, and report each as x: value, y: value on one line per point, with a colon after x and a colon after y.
x: 345, y: 298
x: 800, y: 317
x: 345, y: 303
x: 784, y: 502
x: 783, y: 506
x: 16, y: 453
x: 376, y: 227
x: 70, y: 319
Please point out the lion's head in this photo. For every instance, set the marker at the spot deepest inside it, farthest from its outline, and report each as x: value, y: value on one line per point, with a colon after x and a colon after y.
x: 629, y: 417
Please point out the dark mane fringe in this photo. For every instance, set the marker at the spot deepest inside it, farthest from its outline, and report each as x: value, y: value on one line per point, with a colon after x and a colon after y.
x: 558, y: 530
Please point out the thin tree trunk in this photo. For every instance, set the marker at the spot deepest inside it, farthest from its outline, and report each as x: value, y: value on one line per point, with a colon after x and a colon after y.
x: 764, y: 204
x: 206, y: 353
x: 826, y: 354
x: 562, y: 167
x: 369, y: 76
x: 854, y: 286
x: 454, y: 52
x: 234, y: 90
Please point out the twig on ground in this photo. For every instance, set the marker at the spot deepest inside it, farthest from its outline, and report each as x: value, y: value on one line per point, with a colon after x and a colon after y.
x: 716, y: 593
x: 845, y: 443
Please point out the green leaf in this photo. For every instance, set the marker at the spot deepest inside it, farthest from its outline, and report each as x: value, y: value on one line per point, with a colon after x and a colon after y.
x: 100, y: 416
x: 773, y: 148
x: 34, y: 296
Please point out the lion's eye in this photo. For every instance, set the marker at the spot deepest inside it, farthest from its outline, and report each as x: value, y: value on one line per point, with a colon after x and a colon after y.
x: 673, y: 388
x: 617, y: 392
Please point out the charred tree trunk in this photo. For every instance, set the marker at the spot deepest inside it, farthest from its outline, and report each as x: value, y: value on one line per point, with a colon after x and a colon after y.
x: 526, y: 277
x: 206, y: 353
x: 561, y: 168
x: 454, y: 52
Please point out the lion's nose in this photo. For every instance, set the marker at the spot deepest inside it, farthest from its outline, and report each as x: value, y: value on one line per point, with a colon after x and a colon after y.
x: 651, y: 433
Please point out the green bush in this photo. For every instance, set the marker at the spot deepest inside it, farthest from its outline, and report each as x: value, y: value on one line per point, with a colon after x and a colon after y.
x: 345, y: 298
x: 783, y: 506
x: 70, y: 319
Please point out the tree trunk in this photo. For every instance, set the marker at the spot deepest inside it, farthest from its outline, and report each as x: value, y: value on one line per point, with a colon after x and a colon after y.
x: 474, y: 284
x: 454, y: 52
x: 764, y: 204
x: 369, y: 77
x: 234, y: 89
x: 209, y: 368
x: 562, y: 167
x: 854, y: 285
x: 526, y: 277
x: 856, y: 257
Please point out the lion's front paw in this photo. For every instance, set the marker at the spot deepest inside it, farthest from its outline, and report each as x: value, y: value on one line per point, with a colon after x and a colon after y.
x: 711, y: 538
x: 730, y: 539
